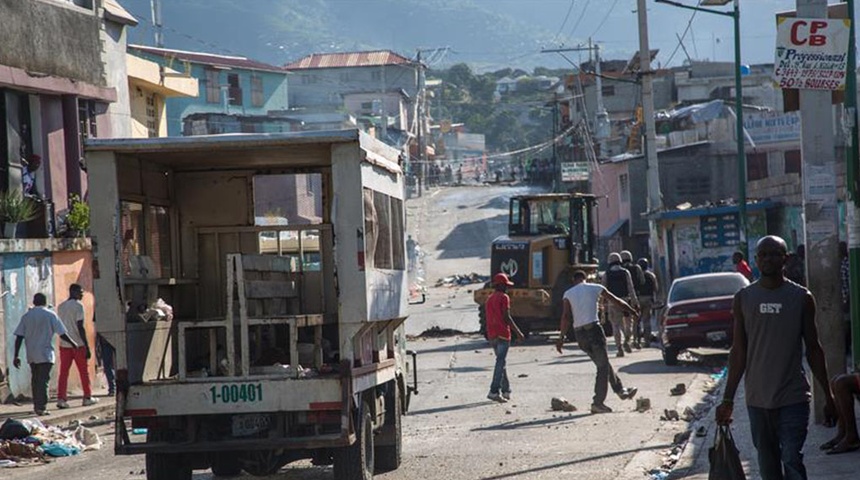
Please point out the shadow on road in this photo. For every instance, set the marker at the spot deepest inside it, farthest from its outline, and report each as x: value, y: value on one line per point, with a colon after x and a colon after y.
x: 497, y: 203
x: 449, y: 408
x: 472, y: 239
x: 533, y: 423
x: 572, y: 462
x: 697, y: 363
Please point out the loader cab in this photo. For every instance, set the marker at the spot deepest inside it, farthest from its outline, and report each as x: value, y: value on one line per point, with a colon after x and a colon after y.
x: 566, y: 217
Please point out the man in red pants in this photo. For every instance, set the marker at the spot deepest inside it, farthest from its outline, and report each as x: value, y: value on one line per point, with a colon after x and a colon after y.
x: 71, y: 313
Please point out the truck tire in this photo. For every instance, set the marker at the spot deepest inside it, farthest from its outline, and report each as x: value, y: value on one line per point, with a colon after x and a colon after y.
x: 165, y: 466
x: 355, y: 462
x: 670, y: 356
x: 388, y: 457
x: 226, y: 465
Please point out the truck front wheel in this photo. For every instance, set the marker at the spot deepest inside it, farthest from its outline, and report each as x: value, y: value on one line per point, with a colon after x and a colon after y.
x: 388, y: 456
x: 355, y: 462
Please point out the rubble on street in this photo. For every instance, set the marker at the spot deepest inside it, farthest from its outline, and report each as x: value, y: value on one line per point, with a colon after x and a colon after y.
x: 462, y: 279
x: 30, y: 442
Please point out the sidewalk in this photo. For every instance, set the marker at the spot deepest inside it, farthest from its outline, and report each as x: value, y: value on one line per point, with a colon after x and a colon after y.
x: 694, y: 465
x: 61, y: 418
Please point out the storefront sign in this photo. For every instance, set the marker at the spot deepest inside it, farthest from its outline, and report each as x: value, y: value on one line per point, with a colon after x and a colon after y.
x: 574, y: 172
x: 811, y: 53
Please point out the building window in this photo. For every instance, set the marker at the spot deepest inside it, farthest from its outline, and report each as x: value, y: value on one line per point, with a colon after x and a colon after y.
x: 608, y: 90
x: 213, y: 86
x: 86, y: 121
x: 756, y: 166
x: 623, y: 188
x: 256, y: 91
x: 693, y: 185
x: 151, y: 115
x: 88, y: 4
x: 792, y: 162
x: 234, y: 89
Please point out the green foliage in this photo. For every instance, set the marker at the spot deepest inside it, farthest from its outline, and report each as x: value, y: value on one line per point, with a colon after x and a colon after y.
x: 516, y: 121
x: 16, y: 208
x: 78, y: 219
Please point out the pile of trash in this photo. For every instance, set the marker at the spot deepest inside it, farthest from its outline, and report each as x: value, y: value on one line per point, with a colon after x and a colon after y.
x: 462, y: 279
x: 27, y: 442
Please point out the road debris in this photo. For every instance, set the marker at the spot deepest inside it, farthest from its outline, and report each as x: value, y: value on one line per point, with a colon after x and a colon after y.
x: 560, y: 404
x: 643, y: 404
x: 462, y: 279
x: 670, y: 415
x: 678, y: 389
x: 437, y: 332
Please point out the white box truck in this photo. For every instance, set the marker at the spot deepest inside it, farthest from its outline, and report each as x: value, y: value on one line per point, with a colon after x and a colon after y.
x: 254, y: 288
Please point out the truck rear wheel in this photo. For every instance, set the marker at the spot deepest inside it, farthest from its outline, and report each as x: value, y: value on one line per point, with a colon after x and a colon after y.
x: 355, y: 462
x: 165, y: 466
x: 226, y: 465
x: 388, y: 457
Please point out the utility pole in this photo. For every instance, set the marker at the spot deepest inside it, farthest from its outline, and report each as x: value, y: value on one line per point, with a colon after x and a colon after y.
x: 852, y: 206
x: 652, y: 178
x: 819, y: 205
x: 155, y: 5
x: 422, y: 141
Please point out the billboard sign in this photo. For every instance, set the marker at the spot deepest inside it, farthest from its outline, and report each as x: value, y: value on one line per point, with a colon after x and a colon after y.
x: 811, y: 53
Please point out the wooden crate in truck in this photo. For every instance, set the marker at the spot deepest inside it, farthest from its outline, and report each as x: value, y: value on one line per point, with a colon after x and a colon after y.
x: 254, y: 287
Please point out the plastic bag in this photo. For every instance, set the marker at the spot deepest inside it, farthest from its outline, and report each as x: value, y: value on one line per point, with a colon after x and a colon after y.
x: 725, y: 461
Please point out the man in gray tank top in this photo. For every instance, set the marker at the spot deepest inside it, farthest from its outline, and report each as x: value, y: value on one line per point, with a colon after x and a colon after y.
x: 773, y: 319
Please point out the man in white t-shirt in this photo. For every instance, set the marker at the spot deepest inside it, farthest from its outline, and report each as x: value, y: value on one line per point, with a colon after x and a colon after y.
x: 71, y: 313
x: 36, y: 331
x: 580, y: 307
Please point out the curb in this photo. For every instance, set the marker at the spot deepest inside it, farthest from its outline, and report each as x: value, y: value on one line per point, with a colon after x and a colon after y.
x: 77, y: 414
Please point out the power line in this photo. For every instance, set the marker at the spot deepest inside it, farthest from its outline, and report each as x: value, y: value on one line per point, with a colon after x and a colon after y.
x: 579, y: 20
x: 681, y: 40
x: 564, y: 23
x: 606, y: 17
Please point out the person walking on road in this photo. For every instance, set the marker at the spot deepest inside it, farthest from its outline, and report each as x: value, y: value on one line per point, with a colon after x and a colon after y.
x: 580, y: 308
x: 638, y: 277
x: 741, y: 265
x: 499, y: 326
x: 36, y: 331
x: 619, y: 282
x: 71, y: 313
x: 647, y: 299
x: 773, y: 320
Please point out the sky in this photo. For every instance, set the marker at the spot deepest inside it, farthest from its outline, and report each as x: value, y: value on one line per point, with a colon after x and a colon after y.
x: 710, y: 36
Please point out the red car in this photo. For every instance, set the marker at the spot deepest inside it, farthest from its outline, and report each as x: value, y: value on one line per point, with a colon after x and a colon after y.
x: 699, y: 312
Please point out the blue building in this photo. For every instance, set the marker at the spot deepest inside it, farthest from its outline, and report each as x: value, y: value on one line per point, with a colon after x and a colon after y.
x: 229, y: 85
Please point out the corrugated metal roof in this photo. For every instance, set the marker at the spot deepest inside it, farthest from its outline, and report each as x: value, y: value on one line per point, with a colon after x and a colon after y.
x: 215, y: 60
x: 350, y: 59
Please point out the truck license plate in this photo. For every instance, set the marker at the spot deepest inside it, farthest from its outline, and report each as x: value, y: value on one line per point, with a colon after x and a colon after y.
x: 717, y: 336
x: 236, y: 393
x: 244, y: 425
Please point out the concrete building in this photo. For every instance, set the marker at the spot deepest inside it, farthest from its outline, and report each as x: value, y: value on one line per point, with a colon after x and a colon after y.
x: 59, y: 85
x: 149, y: 87
x: 379, y: 84
x: 230, y: 85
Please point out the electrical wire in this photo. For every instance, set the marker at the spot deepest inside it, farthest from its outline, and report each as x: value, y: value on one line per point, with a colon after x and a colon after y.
x: 564, y: 23
x: 605, y: 18
x: 579, y: 20
x: 683, y: 35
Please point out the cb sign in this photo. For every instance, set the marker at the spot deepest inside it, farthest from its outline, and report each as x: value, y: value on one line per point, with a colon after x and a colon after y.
x: 811, y: 53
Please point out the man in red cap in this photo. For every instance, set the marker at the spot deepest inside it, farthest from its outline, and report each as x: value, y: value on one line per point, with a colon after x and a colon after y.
x: 499, y: 325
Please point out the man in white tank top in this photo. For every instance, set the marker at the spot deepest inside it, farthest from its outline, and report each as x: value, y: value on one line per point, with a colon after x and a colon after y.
x: 580, y: 307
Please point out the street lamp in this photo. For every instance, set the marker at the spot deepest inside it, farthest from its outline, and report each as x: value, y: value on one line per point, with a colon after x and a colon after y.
x: 735, y: 14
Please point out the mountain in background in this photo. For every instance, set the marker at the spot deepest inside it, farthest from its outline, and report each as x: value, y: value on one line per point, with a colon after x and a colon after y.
x: 486, y: 34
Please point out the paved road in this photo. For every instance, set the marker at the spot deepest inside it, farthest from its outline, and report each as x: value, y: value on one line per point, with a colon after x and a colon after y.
x: 452, y: 431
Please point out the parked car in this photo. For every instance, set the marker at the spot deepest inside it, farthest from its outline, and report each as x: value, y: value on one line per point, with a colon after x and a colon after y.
x: 698, y: 312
